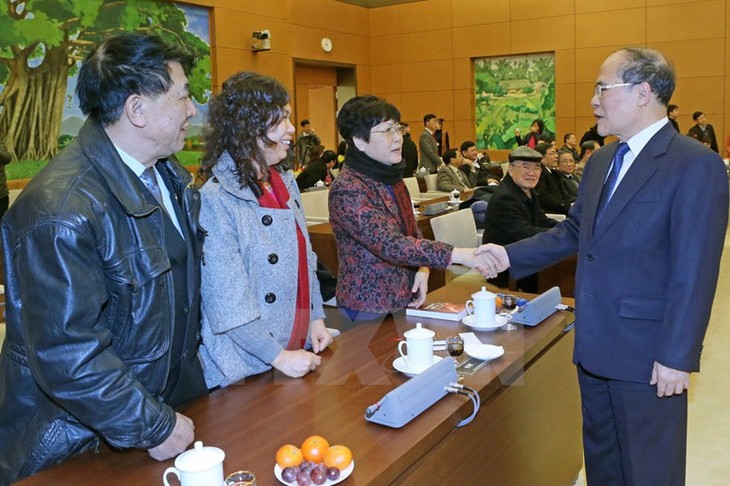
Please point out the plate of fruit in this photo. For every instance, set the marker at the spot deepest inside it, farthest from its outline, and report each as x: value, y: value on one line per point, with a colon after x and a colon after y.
x: 314, y: 463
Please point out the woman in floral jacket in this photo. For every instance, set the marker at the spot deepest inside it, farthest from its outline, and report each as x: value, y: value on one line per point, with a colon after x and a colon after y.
x: 384, y: 261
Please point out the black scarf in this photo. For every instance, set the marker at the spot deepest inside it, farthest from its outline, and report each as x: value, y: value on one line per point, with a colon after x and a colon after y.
x: 366, y: 165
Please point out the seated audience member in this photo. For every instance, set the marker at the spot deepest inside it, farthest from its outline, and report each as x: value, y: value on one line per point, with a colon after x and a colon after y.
x: 566, y: 176
x: 449, y: 176
x: 569, y: 145
x: 551, y: 196
x: 537, y: 128
x: 318, y: 170
x: 102, y: 273
x: 727, y: 145
x: 262, y: 306
x: 384, y: 261
x: 514, y: 212
x: 476, y: 166
x: 672, y: 114
x: 586, y: 150
x: 410, y: 152
x: 314, y: 152
x: 341, y: 149
x: 592, y: 134
x: 703, y: 131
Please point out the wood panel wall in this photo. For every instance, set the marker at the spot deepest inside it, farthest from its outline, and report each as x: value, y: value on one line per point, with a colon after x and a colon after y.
x: 419, y: 55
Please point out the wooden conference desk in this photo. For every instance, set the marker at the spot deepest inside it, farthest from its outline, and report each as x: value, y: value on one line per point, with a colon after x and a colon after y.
x: 526, y: 433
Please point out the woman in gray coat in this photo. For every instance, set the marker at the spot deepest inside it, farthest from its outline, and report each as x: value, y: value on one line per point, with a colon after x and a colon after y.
x: 261, y: 305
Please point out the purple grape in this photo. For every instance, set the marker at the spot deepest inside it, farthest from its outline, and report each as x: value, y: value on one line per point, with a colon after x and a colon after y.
x: 304, y: 479
x: 289, y: 474
x: 318, y: 477
x: 306, y: 467
x: 321, y: 467
x: 333, y: 473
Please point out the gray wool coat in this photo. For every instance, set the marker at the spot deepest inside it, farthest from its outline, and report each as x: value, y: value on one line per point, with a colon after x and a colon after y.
x: 249, y: 277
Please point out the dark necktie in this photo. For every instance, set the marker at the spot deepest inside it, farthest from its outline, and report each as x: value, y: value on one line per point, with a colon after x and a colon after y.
x: 610, y: 184
x: 149, y: 179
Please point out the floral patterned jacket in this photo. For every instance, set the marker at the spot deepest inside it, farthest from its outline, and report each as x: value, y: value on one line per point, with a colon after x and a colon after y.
x: 377, y: 260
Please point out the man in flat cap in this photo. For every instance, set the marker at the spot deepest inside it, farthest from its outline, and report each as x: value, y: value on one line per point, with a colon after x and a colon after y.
x: 514, y: 211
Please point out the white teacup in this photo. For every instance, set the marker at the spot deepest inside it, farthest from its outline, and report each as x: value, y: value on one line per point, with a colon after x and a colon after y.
x: 482, y: 308
x: 454, y: 196
x: 420, y: 348
x: 199, y: 466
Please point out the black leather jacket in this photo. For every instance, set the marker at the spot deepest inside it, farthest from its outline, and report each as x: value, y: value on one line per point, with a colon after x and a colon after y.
x: 89, y: 309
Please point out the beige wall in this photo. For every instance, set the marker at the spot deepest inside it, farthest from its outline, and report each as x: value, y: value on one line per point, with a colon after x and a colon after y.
x: 419, y: 55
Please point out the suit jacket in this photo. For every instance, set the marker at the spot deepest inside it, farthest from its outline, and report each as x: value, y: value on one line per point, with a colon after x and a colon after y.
x: 709, y: 131
x: 429, y: 152
x: 647, y: 272
x: 315, y: 171
x: 480, y: 176
x: 447, y: 180
x: 568, y: 185
x: 410, y: 155
x: 551, y: 195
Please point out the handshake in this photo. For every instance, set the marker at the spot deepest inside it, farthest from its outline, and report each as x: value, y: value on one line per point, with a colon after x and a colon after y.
x: 489, y: 259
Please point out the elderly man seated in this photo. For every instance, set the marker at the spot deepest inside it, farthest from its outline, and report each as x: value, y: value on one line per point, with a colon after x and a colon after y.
x: 514, y: 211
x: 566, y: 176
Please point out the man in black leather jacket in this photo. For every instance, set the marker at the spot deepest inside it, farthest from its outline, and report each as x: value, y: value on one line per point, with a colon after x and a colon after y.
x: 102, y: 280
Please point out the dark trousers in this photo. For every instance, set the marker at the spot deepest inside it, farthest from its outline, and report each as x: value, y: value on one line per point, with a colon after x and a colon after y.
x: 630, y: 436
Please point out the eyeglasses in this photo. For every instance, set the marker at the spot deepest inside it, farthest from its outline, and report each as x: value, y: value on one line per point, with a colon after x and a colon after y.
x: 527, y: 167
x: 392, y: 131
x: 598, y: 91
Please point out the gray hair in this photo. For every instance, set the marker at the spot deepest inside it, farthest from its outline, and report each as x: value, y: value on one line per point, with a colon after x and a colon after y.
x: 645, y: 65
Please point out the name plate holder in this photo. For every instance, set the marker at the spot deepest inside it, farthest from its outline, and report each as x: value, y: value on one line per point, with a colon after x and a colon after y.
x: 403, y: 404
x: 538, y: 309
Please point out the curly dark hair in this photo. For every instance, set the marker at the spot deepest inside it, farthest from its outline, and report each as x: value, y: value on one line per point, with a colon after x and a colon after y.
x: 248, y: 106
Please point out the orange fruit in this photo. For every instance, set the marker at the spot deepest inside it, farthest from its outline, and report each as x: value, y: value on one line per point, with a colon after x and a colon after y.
x: 314, y: 447
x: 338, y: 456
x: 498, y: 303
x: 289, y: 455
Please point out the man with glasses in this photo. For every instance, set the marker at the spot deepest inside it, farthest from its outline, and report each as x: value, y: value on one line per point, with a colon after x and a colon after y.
x: 646, y: 274
x: 551, y: 194
x: 514, y: 211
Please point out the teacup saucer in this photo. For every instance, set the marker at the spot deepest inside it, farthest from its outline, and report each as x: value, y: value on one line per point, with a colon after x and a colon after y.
x: 499, y: 321
x: 400, y: 365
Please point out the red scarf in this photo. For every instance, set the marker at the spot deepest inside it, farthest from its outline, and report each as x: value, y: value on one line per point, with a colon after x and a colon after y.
x: 277, y: 198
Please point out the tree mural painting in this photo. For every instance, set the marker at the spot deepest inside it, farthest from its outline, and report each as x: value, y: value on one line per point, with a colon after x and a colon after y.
x: 42, y: 42
x: 510, y: 92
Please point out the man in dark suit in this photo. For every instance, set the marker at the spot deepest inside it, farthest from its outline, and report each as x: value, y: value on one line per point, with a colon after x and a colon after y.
x: 703, y: 131
x: 514, y: 211
x: 551, y: 195
x: 427, y: 145
x: 318, y: 170
x: 672, y: 114
x: 646, y: 274
x: 409, y: 152
x: 567, y: 179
